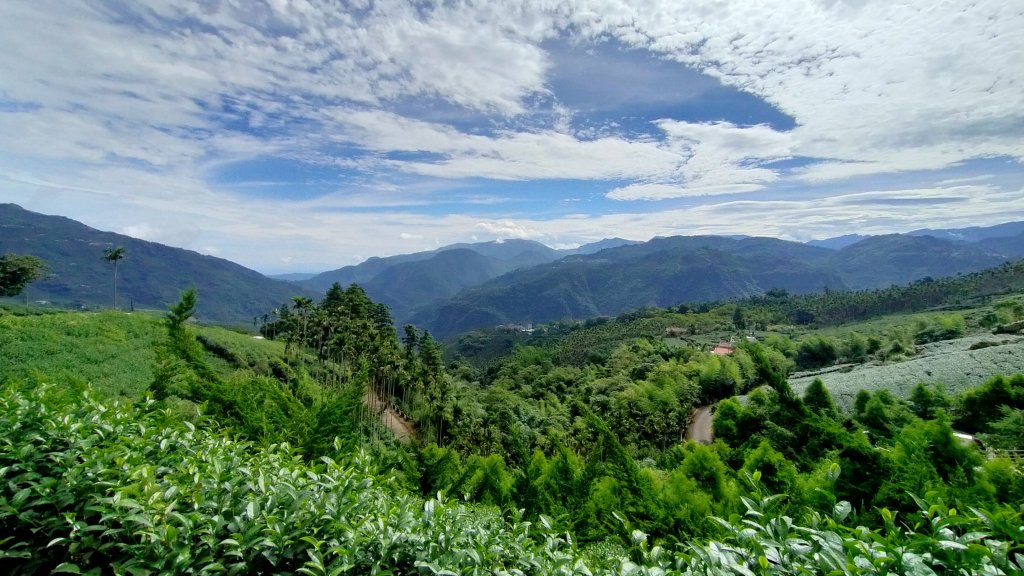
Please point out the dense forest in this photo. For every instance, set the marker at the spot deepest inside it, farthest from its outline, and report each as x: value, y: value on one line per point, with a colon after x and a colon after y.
x: 340, y: 445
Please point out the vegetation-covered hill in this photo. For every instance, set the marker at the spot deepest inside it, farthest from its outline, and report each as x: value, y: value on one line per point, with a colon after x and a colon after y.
x: 1012, y: 247
x: 499, y: 257
x: 881, y: 261
x: 670, y: 271
x: 412, y: 285
x: 410, y: 282
x: 562, y: 456
x: 150, y: 276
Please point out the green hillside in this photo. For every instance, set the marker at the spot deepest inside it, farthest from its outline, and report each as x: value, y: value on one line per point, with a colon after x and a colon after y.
x: 339, y: 446
x: 150, y: 277
x: 671, y: 271
x: 113, y: 353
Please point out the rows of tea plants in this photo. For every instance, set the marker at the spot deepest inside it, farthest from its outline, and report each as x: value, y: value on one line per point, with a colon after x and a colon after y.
x: 112, y: 351
x: 952, y: 364
x: 87, y: 487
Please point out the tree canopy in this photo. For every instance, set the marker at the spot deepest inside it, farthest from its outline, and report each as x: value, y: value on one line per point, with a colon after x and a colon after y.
x: 18, y: 271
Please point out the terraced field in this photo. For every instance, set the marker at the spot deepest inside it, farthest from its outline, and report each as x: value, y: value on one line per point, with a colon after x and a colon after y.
x: 951, y: 363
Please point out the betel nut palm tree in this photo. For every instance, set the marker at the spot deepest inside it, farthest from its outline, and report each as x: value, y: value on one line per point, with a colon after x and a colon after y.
x: 114, y: 255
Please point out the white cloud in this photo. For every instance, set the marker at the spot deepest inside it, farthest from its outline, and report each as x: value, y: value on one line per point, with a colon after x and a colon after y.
x: 665, y: 191
x: 123, y: 114
x: 508, y: 156
x: 722, y: 158
x: 879, y: 86
x: 502, y: 229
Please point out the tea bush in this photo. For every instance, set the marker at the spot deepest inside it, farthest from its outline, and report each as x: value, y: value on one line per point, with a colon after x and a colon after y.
x: 93, y: 488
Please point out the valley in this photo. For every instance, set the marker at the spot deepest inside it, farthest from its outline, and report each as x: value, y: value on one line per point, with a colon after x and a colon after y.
x: 604, y: 428
x: 511, y: 288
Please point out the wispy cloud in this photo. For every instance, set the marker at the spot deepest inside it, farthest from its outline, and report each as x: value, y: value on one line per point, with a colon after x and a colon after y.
x: 431, y: 122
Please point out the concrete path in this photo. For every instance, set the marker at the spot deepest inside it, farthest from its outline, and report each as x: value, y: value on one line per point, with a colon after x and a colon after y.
x: 699, y: 429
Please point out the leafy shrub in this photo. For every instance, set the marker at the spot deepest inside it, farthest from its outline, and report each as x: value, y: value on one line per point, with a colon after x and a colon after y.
x: 93, y: 488
x: 940, y: 328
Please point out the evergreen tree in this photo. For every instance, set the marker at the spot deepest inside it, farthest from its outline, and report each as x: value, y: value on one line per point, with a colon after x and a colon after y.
x: 818, y: 399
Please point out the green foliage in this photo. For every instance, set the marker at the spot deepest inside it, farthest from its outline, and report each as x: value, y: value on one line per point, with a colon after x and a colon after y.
x: 728, y: 422
x: 704, y: 466
x: 881, y: 413
x: 818, y: 400
x: 768, y: 542
x: 815, y: 352
x: 1005, y: 477
x: 18, y: 271
x: 940, y: 328
x: 979, y: 407
x: 927, y: 457
x: 87, y: 487
x: 487, y: 480
x: 112, y: 352
x: 777, y: 473
x: 1007, y: 433
x: 926, y: 401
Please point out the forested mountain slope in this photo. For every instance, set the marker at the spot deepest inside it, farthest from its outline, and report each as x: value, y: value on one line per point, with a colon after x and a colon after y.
x: 880, y: 261
x: 505, y: 256
x: 150, y: 276
x: 669, y: 271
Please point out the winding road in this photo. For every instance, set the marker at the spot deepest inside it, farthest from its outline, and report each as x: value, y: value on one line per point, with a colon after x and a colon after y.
x: 699, y: 429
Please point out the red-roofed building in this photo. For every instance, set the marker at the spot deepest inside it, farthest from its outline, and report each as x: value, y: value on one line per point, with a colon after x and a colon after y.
x: 722, y: 349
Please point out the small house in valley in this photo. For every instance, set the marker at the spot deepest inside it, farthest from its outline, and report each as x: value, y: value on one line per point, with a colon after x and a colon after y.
x: 722, y: 349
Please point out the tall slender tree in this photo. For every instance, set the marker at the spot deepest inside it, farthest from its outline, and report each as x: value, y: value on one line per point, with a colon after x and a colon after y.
x: 114, y: 255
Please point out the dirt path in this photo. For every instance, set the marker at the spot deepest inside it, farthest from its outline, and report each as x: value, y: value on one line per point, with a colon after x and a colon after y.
x: 399, y: 426
x: 699, y: 429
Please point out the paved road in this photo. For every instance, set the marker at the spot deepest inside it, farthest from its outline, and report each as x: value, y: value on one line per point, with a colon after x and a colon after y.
x: 699, y: 429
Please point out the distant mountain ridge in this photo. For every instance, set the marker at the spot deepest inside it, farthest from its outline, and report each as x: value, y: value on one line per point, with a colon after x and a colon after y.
x: 992, y: 235
x: 838, y: 242
x: 409, y: 282
x: 515, y: 252
x: 150, y: 276
x: 974, y: 233
x: 471, y: 285
x: 293, y: 276
x: 667, y: 271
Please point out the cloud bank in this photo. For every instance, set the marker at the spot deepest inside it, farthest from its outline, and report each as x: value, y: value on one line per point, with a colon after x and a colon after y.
x: 301, y: 135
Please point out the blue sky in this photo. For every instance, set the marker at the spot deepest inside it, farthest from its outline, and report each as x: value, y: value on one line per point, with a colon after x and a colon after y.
x: 303, y: 135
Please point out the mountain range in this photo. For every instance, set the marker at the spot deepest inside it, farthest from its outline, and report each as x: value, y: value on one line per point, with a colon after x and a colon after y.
x: 667, y: 271
x: 465, y: 286
x: 151, y: 276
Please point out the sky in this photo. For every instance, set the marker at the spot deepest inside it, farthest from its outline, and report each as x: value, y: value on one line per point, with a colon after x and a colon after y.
x: 305, y: 135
